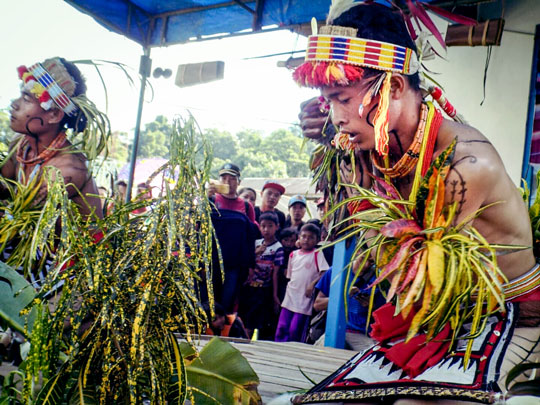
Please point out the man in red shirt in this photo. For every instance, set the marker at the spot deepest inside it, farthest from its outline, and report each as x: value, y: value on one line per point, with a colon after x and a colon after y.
x: 229, y: 174
x: 271, y: 194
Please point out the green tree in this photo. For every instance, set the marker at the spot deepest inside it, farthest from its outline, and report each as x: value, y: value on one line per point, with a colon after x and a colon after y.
x: 281, y: 154
x: 250, y: 139
x: 285, y: 146
x: 224, y: 148
x: 154, y: 140
x: 120, y: 147
x: 6, y: 134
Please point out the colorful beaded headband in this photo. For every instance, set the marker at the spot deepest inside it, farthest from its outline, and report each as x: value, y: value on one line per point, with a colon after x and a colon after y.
x: 39, y: 81
x: 362, y: 52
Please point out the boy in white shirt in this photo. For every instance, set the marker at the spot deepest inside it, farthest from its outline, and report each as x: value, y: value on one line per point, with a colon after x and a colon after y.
x: 306, y: 266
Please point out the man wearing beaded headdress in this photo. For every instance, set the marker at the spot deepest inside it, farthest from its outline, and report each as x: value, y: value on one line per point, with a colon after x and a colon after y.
x: 366, y: 66
x: 48, y: 107
x: 51, y: 108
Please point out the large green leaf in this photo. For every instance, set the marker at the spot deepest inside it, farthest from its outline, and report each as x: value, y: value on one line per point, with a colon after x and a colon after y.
x: 15, y: 294
x: 221, y: 375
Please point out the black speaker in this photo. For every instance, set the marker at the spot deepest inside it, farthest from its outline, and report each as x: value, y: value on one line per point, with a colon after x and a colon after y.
x: 197, y: 73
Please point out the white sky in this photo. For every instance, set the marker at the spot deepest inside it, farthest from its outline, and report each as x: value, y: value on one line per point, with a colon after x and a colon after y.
x: 255, y: 94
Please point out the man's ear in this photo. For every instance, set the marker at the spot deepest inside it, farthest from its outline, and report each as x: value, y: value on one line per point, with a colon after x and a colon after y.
x: 397, y: 86
x: 55, y: 116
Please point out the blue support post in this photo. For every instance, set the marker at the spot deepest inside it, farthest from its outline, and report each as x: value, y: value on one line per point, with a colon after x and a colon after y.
x: 527, y: 171
x: 335, y: 316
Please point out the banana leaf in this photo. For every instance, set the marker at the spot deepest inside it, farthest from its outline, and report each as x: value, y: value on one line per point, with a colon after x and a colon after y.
x: 15, y: 294
x: 220, y: 375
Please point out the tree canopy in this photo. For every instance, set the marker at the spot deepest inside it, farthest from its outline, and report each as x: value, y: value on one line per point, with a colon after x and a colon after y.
x: 283, y: 153
x: 6, y: 134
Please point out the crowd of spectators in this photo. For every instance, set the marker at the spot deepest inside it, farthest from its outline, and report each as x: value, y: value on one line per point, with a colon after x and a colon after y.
x: 274, y: 264
x: 276, y: 267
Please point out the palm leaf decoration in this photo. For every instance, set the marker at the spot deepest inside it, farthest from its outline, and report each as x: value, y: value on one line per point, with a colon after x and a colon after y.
x: 442, y: 271
x: 18, y: 219
x: 529, y: 387
x: 124, y: 298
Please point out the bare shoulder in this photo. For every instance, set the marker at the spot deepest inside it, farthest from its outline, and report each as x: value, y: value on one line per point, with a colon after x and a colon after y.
x: 73, y: 167
x: 474, y: 155
x: 477, y: 174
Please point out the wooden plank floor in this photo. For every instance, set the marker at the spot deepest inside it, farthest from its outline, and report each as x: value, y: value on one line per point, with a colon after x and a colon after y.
x: 278, y: 364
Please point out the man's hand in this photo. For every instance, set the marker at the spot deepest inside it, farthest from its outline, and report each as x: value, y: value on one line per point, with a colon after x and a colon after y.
x: 312, y: 119
x: 212, y: 190
x: 361, y: 297
x: 310, y: 288
x: 259, y: 250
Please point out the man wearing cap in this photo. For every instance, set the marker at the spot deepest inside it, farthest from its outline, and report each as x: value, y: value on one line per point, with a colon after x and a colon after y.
x: 236, y: 230
x: 229, y: 175
x: 271, y: 194
x: 297, y: 210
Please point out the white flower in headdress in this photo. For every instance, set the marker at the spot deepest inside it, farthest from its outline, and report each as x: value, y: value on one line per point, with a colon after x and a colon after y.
x: 46, y: 105
x: 423, y: 47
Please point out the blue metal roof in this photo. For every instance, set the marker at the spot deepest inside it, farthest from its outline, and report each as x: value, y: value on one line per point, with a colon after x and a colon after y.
x: 154, y: 23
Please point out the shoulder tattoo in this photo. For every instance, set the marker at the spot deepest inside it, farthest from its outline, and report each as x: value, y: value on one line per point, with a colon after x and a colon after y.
x: 458, y: 190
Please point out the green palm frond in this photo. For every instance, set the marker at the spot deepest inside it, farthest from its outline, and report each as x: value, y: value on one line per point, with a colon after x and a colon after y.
x: 110, y: 338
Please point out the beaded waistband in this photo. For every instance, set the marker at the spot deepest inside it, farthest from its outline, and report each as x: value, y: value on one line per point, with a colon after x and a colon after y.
x: 523, y: 284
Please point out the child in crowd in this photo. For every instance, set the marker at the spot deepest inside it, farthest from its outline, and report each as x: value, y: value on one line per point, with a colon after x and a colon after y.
x: 306, y: 266
x: 288, y: 238
x: 256, y: 299
x: 328, y: 251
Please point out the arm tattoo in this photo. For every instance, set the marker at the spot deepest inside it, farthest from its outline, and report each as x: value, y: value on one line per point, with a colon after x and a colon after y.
x: 458, y: 191
x: 472, y: 159
x: 476, y: 141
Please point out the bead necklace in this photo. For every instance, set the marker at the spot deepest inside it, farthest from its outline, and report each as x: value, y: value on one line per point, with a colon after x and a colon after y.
x: 48, y: 153
x: 409, y: 160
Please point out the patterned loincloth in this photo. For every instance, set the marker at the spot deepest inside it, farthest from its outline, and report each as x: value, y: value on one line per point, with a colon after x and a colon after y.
x: 370, y: 376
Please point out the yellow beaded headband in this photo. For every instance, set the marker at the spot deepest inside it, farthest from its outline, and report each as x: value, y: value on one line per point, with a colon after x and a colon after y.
x: 362, y: 52
x: 38, y: 80
x: 336, y: 57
